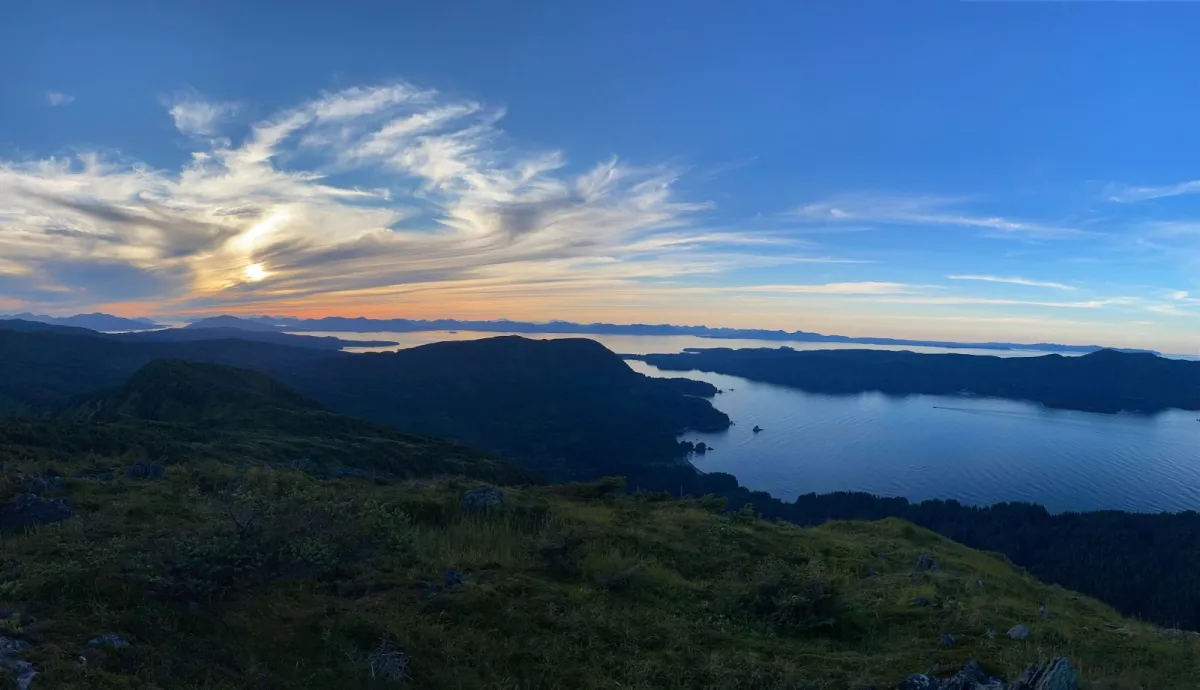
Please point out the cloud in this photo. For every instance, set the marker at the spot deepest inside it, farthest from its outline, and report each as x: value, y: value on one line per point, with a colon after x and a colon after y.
x: 929, y: 211
x: 1128, y: 194
x: 857, y: 288
x: 194, y: 115
x: 56, y: 98
x: 1014, y: 281
x: 995, y: 301
x: 401, y: 191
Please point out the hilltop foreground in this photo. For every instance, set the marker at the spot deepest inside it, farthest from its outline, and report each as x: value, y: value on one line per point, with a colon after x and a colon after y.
x: 167, y: 534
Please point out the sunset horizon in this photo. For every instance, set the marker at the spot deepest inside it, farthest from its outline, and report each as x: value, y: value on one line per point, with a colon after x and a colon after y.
x: 398, y: 187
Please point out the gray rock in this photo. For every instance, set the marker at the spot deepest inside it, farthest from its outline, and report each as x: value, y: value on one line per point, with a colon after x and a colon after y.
x: 343, y: 472
x: 311, y: 468
x: 453, y: 578
x: 388, y: 663
x: 947, y: 640
x: 971, y: 677
x: 42, y: 484
x: 922, y: 602
x: 10, y: 659
x: 1042, y: 612
x: 483, y: 499
x: 979, y: 583
x: 1019, y: 632
x: 27, y: 510
x: 925, y: 562
x: 97, y: 476
x: 110, y: 640
x: 146, y: 470
x: 871, y: 572
x: 919, y: 681
x: 1055, y: 675
x: 991, y: 633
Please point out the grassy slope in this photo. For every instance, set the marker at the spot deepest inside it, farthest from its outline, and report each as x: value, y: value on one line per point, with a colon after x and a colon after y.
x: 563, y: 589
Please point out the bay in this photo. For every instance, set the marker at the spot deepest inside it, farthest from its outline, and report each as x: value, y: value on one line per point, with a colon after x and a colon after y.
x: 978, y: 451
x: 975, y: 450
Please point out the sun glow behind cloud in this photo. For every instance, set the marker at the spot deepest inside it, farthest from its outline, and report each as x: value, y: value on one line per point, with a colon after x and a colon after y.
x: 394, y: 200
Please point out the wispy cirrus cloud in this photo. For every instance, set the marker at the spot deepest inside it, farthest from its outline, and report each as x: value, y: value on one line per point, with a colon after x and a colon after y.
x: 1027, y: 282
x: 929, y: 211
x: 57, y: 98
x: 850, y: 288
x: 402, y: 190
x: 1005, y: 302
x: 1130, y: 193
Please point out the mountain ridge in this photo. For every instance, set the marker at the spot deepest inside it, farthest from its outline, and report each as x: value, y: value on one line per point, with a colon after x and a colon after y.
x: 366, y: 325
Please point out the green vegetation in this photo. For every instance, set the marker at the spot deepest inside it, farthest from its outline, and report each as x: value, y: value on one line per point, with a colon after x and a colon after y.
x: 205, y: 527
x: 221, y: 578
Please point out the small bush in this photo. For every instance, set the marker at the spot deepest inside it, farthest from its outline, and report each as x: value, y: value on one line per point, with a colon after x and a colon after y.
x: 592, y: 491
x: 561, y: 551
x: 612, y: 571
x: 785, y: 603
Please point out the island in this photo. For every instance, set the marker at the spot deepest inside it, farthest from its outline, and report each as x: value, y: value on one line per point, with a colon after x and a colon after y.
x: 1103, y: 381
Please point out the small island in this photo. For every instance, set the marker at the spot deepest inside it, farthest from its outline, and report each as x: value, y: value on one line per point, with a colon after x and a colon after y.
x: 757, y: 429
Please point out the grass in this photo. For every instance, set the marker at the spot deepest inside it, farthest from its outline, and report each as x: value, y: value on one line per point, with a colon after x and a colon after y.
x: 225, y: 577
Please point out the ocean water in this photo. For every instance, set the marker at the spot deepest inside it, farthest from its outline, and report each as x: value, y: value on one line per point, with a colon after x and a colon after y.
x: 975, y: 450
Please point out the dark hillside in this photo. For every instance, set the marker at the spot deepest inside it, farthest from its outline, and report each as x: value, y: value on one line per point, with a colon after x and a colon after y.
x: 565, y: 407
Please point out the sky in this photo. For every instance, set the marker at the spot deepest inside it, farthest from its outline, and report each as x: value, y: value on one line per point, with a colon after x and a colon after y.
x: 966, y: 171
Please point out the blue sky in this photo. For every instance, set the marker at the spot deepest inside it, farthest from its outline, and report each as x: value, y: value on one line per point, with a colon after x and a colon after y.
x: 976, y: 171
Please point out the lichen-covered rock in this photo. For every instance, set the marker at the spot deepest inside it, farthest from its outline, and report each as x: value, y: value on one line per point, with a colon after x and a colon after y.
x: 42, y: 483
x: 947, y: 640
x: 1055, y: 675
x: 146, y: 470
x: 10, y: 659
x: 971, y: 677
x: 1019, y: 632
x: 919, y: 681
x: 453, y: 578
x: 27, y: 510
x: 926, y: 562
x: 110, y: 640
x: 343, y: 472
x: 483, y: 499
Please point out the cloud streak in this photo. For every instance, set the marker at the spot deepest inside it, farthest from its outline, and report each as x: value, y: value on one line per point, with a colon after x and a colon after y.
x: 1013, y: 281
x: 1129, y: 194
x: 927, y: 211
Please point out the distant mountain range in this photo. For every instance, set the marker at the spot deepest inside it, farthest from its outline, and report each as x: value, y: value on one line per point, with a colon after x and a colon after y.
x: 196, y: 334
x: 280, y: 324
x: 95, y: 322
x: 365, y: 325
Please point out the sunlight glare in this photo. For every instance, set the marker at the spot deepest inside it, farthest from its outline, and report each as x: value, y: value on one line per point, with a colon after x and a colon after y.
x: 256, y: 272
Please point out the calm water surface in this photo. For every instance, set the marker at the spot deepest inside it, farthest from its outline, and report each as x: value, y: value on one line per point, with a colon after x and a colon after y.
x: 975, y: 450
